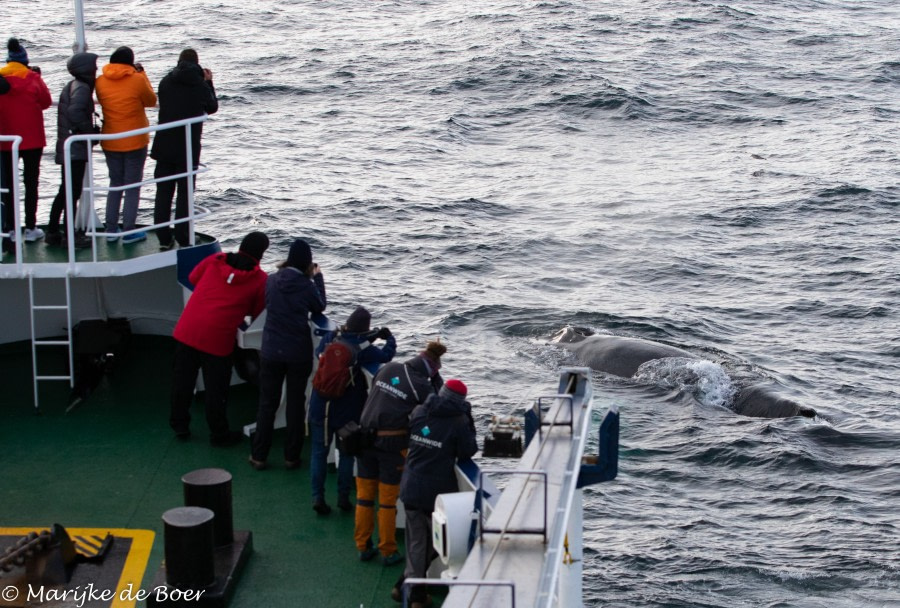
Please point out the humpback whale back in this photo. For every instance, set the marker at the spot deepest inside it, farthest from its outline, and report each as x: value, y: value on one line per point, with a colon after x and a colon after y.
x: 622, y: 356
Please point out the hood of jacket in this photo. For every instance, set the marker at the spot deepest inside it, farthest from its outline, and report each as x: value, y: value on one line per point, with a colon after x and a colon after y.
x: 83, y: 66
x: 232, y: 275
x: 440, y: 407
x: 290, y: 280
x: 187, y: 73
x: 16, y: 70
x: 118, y: 71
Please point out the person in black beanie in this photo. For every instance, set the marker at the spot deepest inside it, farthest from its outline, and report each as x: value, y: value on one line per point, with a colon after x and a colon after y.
x: 293, y: 293
x: 185, y: 92
x: 326, y: 415
x: 22, y: 113
x: 227, y: 288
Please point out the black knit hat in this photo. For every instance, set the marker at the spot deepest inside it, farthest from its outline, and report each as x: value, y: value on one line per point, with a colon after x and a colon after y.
x: 123, y: 54
x: 300, y: 256
x: 189, y: 55
x: 16, y: 52
x: 255, y: 245
x: 358, y: 321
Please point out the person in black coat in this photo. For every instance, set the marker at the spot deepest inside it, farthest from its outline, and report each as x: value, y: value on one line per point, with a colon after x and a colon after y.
x: 74, y: 116
x: 441, y: 431
x: 185, y: 92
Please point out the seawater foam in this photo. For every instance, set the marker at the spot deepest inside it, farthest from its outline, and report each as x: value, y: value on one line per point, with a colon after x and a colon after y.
x: 706, y: 381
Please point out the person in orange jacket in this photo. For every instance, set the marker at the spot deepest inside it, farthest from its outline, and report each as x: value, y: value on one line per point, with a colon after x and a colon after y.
x: 22, y: 113
x: 124, y: 91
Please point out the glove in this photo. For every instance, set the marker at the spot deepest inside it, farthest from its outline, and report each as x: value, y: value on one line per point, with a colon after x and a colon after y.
x: 384, y: 333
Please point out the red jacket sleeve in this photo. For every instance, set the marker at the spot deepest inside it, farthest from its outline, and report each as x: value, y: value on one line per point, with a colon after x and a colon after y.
x: 199, y: 269
x: 44, y: 98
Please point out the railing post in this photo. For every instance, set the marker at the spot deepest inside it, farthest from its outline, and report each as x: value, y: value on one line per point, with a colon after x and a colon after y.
x: 189, y: 166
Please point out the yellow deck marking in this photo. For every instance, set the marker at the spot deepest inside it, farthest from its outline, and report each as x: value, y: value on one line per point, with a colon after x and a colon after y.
x: 135, y: 562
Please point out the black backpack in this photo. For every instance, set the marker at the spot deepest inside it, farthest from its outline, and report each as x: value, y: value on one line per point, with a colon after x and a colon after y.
x: 335, y: 372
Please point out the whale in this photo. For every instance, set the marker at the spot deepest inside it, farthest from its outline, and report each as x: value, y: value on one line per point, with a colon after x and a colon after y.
x: 622, y: 356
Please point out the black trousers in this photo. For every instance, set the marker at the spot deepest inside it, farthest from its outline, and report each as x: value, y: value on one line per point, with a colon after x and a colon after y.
x: 58, y: 207
x: 216, y: 379
x: 31, y: 173
x: 272, y: 374
x: 162, y: 207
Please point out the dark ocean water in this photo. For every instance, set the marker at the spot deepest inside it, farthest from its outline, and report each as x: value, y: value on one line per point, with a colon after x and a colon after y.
x: 722, y: 177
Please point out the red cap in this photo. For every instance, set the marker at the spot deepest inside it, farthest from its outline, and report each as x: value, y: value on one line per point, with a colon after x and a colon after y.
x: 456, y: 386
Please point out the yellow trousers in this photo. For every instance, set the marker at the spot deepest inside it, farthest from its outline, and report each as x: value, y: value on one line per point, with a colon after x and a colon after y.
x: 366, y: 490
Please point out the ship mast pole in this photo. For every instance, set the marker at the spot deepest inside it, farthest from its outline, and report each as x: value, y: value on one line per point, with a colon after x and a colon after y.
x: 80, y: 43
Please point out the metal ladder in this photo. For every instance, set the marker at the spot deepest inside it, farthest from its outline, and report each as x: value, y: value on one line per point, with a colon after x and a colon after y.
x: 35, y: 342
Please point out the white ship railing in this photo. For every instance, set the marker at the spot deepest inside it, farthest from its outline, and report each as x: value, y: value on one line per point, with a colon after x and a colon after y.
x: 12, y: 205
x: 531, y: 543
x: 91, y: 190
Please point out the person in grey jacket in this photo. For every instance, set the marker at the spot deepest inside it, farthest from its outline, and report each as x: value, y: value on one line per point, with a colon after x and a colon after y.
x: 74, y: 116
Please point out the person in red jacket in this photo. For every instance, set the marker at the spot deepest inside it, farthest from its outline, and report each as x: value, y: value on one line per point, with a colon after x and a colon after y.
x: 22, y: 113
x: 227, y: 288
x: 124, y: 91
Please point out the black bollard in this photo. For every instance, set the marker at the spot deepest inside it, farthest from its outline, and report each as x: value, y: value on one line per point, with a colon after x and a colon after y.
x: 189, y: 549
x: 211, y: 489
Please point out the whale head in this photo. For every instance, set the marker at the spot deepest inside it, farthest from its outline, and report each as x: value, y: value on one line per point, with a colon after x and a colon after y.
x: 763, y: 401
x: 570, y: 335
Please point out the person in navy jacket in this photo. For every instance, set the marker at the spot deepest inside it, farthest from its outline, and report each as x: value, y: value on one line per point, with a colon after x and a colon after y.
x: 441, y: 431
x: 327, y: 416
x: 293, y: 293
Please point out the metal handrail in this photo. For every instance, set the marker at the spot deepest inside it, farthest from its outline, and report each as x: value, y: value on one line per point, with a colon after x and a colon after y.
x: 505, y: 529
x: 13, y: 208
x: 409, y: 582
x: 555, y: 421
x: 186, y: 123
x: 89, y: 190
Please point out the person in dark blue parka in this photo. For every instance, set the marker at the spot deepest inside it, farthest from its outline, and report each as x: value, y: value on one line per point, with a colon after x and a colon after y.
x: 441, y: 431
x: 293, y: 293
x: 326, y: 416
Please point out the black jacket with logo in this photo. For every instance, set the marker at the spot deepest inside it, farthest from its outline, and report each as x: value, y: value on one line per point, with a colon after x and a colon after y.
x: 441, y: 432
x: 398, y: 388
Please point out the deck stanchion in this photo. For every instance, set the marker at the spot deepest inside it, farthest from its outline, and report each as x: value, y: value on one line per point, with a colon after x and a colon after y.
x: 211, y: 489
x: 189, y: 550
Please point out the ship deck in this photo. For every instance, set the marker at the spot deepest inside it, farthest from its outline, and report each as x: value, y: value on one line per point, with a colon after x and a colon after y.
x: 113, y: 463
